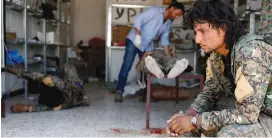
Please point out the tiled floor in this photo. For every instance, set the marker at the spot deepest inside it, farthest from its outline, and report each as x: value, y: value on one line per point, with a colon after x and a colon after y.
x: 102, y: 118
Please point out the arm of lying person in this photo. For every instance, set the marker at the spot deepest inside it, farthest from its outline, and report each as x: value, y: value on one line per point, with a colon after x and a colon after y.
x: 141, y: 61
x: 172, y: 51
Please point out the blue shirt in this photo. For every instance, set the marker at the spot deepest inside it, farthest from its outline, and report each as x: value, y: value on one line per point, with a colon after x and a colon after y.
x: 150, y: 24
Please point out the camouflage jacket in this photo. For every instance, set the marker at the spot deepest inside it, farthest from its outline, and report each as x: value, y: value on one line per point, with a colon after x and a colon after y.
x: 251, y: 63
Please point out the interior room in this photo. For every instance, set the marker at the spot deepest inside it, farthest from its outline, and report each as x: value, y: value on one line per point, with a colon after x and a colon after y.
x: 113, y: 68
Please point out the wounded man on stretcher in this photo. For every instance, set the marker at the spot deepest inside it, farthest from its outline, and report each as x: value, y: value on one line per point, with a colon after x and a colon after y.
x: 162, y: 65
x: 57, y: 93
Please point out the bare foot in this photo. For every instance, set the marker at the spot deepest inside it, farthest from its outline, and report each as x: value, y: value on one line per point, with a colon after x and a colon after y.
x: 178, y: 68
x: 153, y: 67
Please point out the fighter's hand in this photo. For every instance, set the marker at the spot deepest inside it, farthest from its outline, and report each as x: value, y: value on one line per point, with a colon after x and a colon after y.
x: 168, y: 121
x: 48, y: 81
x: 181, y: 125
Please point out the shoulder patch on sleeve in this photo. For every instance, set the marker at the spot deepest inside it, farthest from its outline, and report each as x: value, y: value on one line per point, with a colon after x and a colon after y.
x: 243, y: 87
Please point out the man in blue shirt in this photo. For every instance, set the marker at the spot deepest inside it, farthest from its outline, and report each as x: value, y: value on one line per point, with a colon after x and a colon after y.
x: 150, y: 25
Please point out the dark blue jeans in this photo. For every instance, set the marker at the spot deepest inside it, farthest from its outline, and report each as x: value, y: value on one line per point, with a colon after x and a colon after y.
x: 128, y: 60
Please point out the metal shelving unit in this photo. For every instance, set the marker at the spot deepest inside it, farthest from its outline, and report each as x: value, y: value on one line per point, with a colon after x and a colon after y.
x: 247, y: 15
x: 36, y: 14
x: 110, y: 23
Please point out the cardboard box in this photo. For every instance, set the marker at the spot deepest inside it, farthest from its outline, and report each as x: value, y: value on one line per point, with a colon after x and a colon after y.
x: 11, y: 35
x: 167, y: 2
x: 119, y: 33
x: 168, y: 93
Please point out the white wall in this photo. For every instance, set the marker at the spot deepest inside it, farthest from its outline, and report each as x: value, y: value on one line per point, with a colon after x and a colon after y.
x: 89, y: 19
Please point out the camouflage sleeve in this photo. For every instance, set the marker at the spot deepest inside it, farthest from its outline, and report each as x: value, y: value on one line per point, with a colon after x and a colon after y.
x: 72, y: 93
x: 252, y: 79
x: 32, y: 75
x: 207, y: 99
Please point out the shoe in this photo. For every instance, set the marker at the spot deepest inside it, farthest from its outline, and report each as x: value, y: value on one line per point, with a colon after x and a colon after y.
x: 19, y: 108
x: 118, y: 97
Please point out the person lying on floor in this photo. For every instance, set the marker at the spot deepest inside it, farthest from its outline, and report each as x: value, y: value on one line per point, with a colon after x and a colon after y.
x: 57, y: 93
x: 159, y: 64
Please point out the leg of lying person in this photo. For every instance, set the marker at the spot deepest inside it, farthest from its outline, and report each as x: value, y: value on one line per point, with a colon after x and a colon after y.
x: 72, y: 92
x: 168, y: 63
x: 26, y: 75
x: 19, y: 108
x: 152, y: 64
x: 175, y: 66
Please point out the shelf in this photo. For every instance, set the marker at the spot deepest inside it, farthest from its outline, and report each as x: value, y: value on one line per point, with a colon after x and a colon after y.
x: 14, y: 6
x: 35, y: 14
x: 131, y: 25
x: 246, y: 15
x: 117, y: 47
x: 35, y: 43
x: 31, y: 12
x: 32, y: 62
x: 54, y: 22
x: 124, y: 24
x: 160, y: 49
x: 21, y: 42
x: 57, y: 45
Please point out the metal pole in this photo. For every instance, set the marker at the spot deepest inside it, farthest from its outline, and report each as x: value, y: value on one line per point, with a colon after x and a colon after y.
x: 44, y: 48
x: 25, y: 48
x: 68, y: 31
x: 3, y: 27
x: 3, y: 85
x: 236, y: 3
x: 108, y: 41
x: 252, y: 23
x: 58, y: 29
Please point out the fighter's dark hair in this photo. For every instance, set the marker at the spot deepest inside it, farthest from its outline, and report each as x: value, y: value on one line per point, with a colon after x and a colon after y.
x: 177, y: 5
x: 218, y: 14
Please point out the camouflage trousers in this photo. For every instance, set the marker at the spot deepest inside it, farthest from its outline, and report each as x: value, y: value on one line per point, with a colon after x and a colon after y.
x: 70, y: 92
x: 166, y: 63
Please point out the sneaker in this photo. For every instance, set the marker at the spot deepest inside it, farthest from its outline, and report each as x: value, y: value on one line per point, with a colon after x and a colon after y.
x: 118, y: 97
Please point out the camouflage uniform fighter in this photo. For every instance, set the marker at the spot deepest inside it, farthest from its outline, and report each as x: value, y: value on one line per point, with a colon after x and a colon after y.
x: 58, y: 93
x: 240, y: 65
x: 159, y: 64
